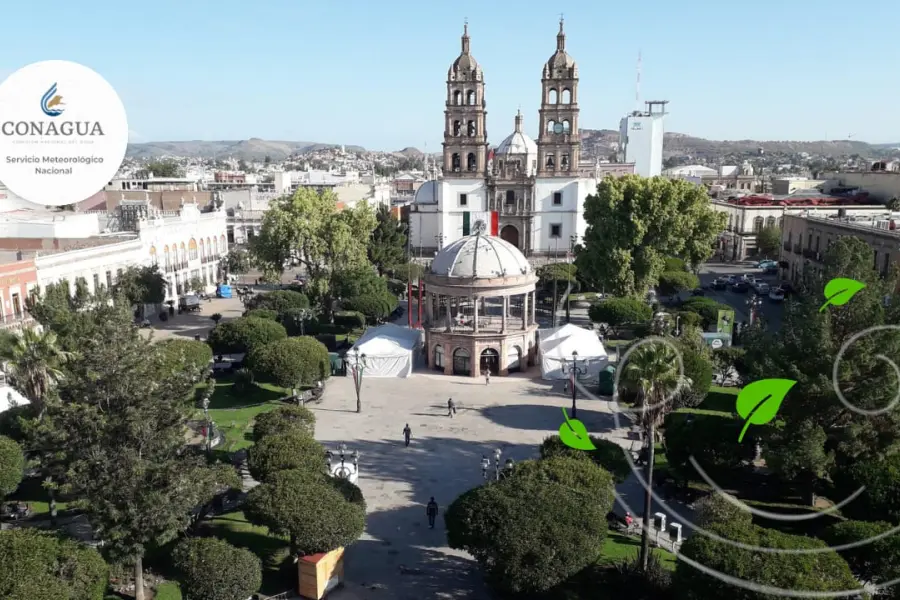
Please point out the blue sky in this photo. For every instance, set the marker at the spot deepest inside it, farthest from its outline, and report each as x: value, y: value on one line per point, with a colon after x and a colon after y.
x: 373, y: 73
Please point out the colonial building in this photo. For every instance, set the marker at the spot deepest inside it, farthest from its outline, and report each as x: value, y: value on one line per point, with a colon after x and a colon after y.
x: 531, y: 194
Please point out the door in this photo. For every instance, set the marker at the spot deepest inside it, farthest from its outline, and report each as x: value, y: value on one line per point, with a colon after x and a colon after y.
x: 490, y: 361
x: 510, y: 234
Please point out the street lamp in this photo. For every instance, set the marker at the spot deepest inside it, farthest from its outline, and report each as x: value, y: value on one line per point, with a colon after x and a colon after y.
x: 344, y: 471
x: 754, y: 302
x: 574, y: 372
x: 677, y: 325
x: 206, y: 415
x: 303, y: 315
x: 357, y: 367
x: 440, y: 240
x: 498, y: 472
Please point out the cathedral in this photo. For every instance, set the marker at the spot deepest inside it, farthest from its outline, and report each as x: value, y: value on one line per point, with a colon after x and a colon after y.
x: 530, y: 193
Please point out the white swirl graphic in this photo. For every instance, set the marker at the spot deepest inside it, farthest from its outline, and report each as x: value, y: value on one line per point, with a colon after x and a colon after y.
x: 836, y: 367
x: 624, y: 360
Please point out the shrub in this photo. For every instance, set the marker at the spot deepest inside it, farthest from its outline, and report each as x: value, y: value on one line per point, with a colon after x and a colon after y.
x: 527, y: 533
x: 675, y: 264
x: 311, y: 511
x: 375, y: 307
x: 629, y: 580
x: 297, y: 321
x: 262, y: 313
x: 350, y: 491
x: 180, y: 355
x: 727, y: 361
x: 243, y: 380
x: 707, y: 308
x: 608, y: 455
x: 213, y: 569
x: 716, y: 509
x: 877, y: 561
x: 882, y: 481
x: 279, y: 301
x: 688, y: 319
x: 710, y: 439
x: 291, y: 362
x: 243, y: 334
x: 285, y: 451
x: 821, y: 570
x: 284, y: 419
x: 42, y: 566
x: 12, y: 466
x: 698, y: 368
x: 350, y: 319
x: 672, y: 282
x: 620, y: 311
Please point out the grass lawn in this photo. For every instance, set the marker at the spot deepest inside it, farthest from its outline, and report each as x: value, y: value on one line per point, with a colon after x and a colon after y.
x: 619, y: 547
x: 273, y: 551
x: 168, y: 591
x: 234, y: 412
x: 32, y: 492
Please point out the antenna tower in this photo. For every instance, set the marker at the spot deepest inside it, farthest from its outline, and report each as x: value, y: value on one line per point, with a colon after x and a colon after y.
x: 637, y: 86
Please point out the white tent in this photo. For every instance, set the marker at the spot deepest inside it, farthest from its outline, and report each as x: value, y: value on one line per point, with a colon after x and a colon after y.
x: 10, y: 398
x: 390, y: 350
x: 556, y: 347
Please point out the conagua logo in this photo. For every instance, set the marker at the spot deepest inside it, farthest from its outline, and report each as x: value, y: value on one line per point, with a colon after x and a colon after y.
x: 52, y: 103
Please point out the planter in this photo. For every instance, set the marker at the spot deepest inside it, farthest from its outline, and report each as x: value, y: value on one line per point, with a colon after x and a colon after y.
x: 318, y: 574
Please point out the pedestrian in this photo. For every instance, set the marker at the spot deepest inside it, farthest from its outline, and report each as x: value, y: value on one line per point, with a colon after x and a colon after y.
x: 407, y: 433
x: 431, y: 510
x: 451, y: 408
x: 487, y: 377
x: 566, y: 387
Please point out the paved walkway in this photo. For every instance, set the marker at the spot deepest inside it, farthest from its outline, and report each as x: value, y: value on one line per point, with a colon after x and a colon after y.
x: 399, y: 557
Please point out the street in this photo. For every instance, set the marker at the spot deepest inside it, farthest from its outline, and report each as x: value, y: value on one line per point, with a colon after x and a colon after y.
x: 771, y: 311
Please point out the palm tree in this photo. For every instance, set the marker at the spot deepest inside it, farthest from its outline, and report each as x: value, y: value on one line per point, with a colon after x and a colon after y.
x: 654, y: 372
x: 33, y: 362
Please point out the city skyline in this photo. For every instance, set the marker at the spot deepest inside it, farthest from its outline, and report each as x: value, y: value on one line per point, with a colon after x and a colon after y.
x: 359, y: 75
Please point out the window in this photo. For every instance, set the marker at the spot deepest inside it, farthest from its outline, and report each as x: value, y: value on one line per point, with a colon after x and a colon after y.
x: 757, y: 224
x: 17, y: 306
x: 463, y: 200
x: 551, y: 162
x: 118, y: 274
x: 557, y: 198
x: 510, y: 197
x: 817, y: 243
x: 192, y: 249
x: 887, y: 264
x: 875, y: 264
x: 109, y: 280
x: 96, y: 283
x: 552, y: 96
x: 556, y: 230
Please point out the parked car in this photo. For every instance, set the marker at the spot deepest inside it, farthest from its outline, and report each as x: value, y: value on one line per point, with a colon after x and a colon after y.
x: 766, y: 264
x: 776, y: 295
x: 698, y: 292
x: 720, y: 283
x: 189, y: 303
x: 740, y: 287
x: 787, y: 288
x: 760, y: 287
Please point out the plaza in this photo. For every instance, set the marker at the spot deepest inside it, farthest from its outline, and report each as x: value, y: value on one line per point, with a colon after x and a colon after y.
x: 399, y: 557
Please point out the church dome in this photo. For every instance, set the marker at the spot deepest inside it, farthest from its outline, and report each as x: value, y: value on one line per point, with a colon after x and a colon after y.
x: 517, y: 142
x: 561, y: 64
x: 465, y: 67
x: 480, y: 256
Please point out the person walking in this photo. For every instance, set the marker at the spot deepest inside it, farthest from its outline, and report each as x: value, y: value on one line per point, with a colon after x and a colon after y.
x: 432, y: 511
x: 451, y: 408
x: 487, y: 377
x: 407, y: 433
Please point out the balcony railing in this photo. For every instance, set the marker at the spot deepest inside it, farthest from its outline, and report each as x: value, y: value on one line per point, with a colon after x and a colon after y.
x: 811, y: 254
x: 797, y: 248
x: 17, y: 321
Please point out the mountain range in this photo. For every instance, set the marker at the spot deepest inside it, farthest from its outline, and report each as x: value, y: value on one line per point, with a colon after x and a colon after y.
x: 596, y: 142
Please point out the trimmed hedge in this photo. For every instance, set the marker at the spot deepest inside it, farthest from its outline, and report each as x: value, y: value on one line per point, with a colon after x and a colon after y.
x: 243, y: 334
x: 350, y: 319
x: 707, y: 308
x: 620, y: 311
x: 284, y: 452
x: 12, y: 466
x: 608, y: 455
x: 213, y: 569
x: 279, y: 301
x: 290, y: 362
x: 180, y: 354
x: 284, y: 419
x: 375, y: 307
x: 262, y: 313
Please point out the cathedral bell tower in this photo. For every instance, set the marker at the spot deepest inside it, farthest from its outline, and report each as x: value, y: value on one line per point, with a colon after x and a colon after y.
x: 465, y: 138
x: 559, y: 143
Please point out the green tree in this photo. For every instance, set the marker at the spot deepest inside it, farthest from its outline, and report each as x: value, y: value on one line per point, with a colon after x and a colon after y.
x: 196, y: 285
x: 142, y: 285
x: 707, y: 308
x: 617, y: 312
x: 709, y: 439
x: 165, y: 168
x: 387, y: 245
x: 213, y: 569
x: 283, y: 452
x: 284, y: 419
x: 307, y: 509
x: 119, y: 430
x: 408, y: 271
x: 188, y: 354
x: 635, y: 223
x: 652, y: 373
x: 362, y: 281
x: 561, y: 273
x: 290, y: 363
x: 881, y: 478
x: 243, y: 334
x: 607, y: 455
x: 43, y: 566
x: 279, y: 301
x: 768, y: 242
x: 823, y: 571
x: 12, y: 466
x: 309, y: 226
x: 727, y: 362
x: 532, y: 532
x: 808, y: 343
x: 237, y: 262
x: 796, y: 452
x: 673, y: 282
x: 35, y: 364
x: 376, y: 307
x: 715, y: 508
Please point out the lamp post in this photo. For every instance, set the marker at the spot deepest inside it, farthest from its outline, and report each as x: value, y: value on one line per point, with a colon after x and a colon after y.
x: 440, y: 240
x: 677, y: 325
x: 574, y: 371
x: 498, y: 472
x: 303, y: 315
x: 344, y: 472
x: 206, y: 415
x: 754, y: 302
x: 357, y: 367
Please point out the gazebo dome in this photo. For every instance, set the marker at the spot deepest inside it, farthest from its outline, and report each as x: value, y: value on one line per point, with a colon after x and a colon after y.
x: 480, y: 256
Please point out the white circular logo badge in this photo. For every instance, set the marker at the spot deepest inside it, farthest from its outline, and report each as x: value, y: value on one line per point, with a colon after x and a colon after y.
x: 717, y: 344
x: 63, y: 133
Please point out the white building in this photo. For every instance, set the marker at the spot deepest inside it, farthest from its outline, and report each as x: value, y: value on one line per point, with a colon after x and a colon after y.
x: 530, y: 193
x: 641, y: 138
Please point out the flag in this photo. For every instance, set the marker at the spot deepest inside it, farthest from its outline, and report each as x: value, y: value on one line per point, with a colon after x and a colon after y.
x: 491, y: 220
x: 490, y: 161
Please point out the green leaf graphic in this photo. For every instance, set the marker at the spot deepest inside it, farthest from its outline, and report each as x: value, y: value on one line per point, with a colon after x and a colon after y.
x: 759, y: 402
x: 574, y: 434
x: 840, y: 290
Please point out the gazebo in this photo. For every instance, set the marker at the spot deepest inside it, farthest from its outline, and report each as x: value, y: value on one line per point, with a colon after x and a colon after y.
x: 480, y: 307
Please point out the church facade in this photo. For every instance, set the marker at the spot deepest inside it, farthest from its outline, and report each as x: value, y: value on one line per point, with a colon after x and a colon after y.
x: 530, y: 193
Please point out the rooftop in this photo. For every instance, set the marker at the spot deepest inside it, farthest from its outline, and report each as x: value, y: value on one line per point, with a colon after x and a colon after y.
x: 480, y: 256
x: 879, y: 224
